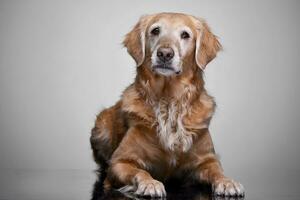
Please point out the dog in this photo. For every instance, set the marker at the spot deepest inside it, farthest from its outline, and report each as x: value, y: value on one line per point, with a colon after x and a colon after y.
x: 159, y: 129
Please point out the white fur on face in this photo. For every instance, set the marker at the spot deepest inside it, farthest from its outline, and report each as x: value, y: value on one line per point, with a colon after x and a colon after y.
x: 170, y: 36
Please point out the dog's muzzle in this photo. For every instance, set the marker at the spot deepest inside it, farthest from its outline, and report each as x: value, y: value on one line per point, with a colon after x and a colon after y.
x: 164, y: 61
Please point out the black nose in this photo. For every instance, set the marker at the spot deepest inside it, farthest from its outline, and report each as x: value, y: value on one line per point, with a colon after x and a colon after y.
x: 165, y: 54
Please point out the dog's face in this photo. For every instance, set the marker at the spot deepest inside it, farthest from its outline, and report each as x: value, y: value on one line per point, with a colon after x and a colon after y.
x: 169, y: 43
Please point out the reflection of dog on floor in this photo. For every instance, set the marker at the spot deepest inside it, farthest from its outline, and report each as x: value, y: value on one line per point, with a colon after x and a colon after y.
x: 176, y: 191
x: 159, y: 128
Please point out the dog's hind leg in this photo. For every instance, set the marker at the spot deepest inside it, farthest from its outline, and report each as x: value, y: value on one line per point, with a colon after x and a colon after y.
x: 108, y: 131
x: 101, y: 141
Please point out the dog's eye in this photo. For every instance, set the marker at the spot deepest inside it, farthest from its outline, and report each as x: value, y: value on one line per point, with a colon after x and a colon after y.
x: 155, y: 31
x: 185, y: 35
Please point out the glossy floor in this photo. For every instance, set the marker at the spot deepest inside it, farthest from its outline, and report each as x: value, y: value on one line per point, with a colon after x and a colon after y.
x: 79, y: 184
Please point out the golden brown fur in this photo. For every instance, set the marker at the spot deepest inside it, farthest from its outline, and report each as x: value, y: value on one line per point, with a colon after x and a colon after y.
x: 159, y: 128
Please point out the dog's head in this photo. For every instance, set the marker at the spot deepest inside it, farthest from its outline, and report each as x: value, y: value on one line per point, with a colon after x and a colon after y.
x: 170, y: 43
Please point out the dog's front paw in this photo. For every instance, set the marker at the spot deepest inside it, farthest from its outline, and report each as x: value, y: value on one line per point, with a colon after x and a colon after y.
x: 151, y: 188
x: 228, y: 187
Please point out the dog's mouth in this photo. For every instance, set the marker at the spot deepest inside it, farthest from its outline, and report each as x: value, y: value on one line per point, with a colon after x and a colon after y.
x: 165, y: 69
x: 163, y: 66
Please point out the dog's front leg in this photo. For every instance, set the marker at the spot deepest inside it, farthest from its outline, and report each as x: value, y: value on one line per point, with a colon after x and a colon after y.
x: 137, y: 180
x: 130, y: 162
x: 211, y: 172
x: 208, y: 168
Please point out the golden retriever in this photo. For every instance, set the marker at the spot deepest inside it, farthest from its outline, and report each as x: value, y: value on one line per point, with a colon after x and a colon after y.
x: 159, y: 127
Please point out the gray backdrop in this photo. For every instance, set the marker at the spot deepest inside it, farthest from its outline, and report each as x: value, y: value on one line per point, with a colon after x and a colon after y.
x: 61, y: 62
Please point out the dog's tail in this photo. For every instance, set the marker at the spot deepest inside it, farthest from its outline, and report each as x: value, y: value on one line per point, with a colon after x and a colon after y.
x: 101, y: 160
x: 98, y: 188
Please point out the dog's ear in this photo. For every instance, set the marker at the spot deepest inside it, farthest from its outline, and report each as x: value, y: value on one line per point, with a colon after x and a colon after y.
x: 207, y: 44
x: 135, y: 40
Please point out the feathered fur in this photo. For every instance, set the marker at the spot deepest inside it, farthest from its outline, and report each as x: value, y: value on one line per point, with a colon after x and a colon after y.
x: 159, y: 127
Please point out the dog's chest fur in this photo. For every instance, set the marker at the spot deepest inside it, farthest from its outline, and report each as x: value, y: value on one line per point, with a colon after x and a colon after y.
x: 176, y: 121
x: 170, y: 128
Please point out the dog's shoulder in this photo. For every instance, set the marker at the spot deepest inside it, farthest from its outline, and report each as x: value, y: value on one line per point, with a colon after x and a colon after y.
x: 135, y: 105
x: 200, y: 112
